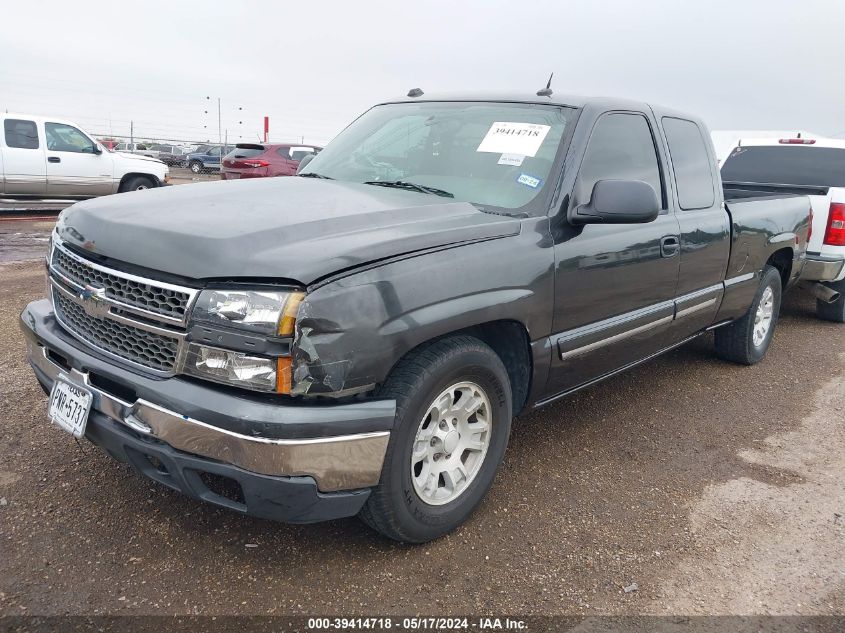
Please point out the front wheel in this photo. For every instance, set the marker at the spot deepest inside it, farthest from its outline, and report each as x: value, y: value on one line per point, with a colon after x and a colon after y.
x: 746, y: 340
x: 195, y: 167
x: 137, y: 183
x: 453, y: 418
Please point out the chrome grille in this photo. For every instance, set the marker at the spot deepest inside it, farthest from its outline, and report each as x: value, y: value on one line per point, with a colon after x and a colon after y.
x: 133, y: 344
x: 145, y: 296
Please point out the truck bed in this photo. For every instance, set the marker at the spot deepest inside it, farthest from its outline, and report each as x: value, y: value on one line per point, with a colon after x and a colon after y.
x: 767, y: 191
x: 763, y: 223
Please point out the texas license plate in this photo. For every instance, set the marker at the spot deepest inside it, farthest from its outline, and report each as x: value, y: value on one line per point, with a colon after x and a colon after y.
x: 69, y: 406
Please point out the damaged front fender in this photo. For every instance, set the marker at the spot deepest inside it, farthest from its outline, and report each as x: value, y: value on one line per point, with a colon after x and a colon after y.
x: 351, y: 331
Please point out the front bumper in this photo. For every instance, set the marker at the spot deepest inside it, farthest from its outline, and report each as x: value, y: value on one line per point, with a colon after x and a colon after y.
x: 288, y: 499
x: 336, y: 447
x: 820, y: 268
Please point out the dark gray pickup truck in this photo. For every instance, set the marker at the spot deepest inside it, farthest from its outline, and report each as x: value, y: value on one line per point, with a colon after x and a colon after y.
x: 358, y: 339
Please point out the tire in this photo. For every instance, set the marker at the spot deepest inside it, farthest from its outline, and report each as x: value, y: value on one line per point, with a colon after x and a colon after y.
x: 137, y: 183
x: 833, y: 311
x: 737, y: 342
x: 453, y: 368
x: 195, y: 166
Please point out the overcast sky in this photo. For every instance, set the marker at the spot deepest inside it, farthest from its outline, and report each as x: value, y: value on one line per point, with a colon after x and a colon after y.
x: 313, y: 66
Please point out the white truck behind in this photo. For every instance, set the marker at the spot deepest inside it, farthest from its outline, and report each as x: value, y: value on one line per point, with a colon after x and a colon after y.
x: 49, y: 157
x: 815, y: 167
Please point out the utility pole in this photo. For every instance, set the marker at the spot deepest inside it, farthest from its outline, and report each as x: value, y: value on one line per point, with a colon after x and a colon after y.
x: 132, y: 131
x: 220, y: 130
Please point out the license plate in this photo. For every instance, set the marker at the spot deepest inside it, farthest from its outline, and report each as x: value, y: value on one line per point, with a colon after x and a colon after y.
x: 69, y: 406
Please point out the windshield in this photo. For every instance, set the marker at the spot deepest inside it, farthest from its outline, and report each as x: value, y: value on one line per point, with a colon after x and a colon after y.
x: 489, y: 154
x: 788, y: 165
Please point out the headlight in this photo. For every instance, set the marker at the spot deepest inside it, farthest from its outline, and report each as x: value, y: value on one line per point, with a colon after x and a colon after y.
x: 238, y: 369
x: 265, y: 312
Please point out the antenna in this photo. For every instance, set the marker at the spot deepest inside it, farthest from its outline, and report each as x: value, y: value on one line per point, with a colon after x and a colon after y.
x: 415, y: 92
x: 547, y: 91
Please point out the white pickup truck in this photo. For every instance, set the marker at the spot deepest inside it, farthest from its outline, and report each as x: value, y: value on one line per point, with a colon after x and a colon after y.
x: 814, y: 167
x: 49, y: 157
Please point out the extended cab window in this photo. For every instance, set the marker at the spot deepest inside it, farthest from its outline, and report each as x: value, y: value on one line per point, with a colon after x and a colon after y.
x: 490, y: 154
x: 691, y: 163
x: 787, y: 165
x: 66, y: 138
x: 20, y: 134
x: 621, y: 147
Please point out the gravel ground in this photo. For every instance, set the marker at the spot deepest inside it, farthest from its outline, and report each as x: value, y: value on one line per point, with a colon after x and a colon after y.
x: 699, y: 486
x: 24, y: 238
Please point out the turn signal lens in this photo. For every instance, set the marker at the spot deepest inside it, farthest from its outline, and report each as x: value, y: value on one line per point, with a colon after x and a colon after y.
x: 287, y: 323
x: 283, y: 374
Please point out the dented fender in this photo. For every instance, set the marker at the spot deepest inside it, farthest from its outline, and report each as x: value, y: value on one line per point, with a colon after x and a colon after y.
x: 352, y: 331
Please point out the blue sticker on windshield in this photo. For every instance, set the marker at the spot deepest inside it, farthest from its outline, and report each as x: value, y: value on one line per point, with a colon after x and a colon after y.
x: 529, y: 181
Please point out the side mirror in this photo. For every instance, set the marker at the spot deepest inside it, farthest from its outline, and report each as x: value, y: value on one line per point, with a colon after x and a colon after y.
x: 97, y: 149
x: 304, y: 161
x: 618, y: 202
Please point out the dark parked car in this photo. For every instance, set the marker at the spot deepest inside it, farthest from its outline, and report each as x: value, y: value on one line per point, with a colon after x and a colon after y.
x: 207, y: 160
x: 358, y: 339
x: 262, y: 160
x: 171, y: 155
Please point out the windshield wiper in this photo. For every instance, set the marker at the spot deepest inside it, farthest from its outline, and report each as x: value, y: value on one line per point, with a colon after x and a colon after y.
x: 314, y: 174
x: 411, y: 186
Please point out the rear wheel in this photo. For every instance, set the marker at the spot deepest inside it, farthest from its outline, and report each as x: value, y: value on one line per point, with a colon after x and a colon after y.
x: 137, y: 183
x: 746, y: 340
x: 195, y: 166
x: 834, y: 311
x: 453, y: 417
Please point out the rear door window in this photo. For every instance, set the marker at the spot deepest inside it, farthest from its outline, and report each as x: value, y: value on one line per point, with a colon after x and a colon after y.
x: 691, y: 162
x: 787, y: 165
x: 20, y: 134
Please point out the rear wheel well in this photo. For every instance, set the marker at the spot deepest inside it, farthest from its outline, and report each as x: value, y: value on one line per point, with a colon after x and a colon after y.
x: 782, y: 261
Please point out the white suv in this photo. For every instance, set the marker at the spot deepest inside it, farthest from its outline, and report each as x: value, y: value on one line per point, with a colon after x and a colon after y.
x: 49, y: 157
x: 814, y: 167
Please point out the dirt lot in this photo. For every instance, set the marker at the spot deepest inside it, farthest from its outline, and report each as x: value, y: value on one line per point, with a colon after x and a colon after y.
x: 699, y: 486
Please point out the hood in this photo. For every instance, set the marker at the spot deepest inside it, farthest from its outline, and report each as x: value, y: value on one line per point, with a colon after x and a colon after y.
x: 292, y: 228
x: 130, y: 156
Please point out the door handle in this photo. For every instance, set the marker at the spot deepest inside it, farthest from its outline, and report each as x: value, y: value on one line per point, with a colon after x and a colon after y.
x: 54, y: 159
x: 670, y: 246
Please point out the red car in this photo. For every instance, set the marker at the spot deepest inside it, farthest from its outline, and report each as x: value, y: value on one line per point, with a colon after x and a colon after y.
x: 264, y: 160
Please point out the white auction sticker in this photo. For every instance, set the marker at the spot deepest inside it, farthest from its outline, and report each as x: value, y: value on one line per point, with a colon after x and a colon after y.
x: 514, y: 160
x: 507, y: 137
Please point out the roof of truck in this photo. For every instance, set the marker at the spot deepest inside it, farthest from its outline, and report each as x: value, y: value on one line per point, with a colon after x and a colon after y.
x: 576, y: 101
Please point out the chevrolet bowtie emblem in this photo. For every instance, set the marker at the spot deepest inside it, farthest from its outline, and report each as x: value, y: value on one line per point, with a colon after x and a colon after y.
x: 94, y: 301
